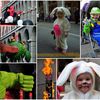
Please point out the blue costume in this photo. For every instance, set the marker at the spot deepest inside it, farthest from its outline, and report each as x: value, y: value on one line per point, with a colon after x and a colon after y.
x: 95, y: 32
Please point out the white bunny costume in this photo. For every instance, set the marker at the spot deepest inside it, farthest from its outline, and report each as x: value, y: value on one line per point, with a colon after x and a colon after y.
x: 73, y: 70
x: 61, y: 41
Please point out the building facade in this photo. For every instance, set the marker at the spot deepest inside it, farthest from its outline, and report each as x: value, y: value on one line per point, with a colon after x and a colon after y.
x: 45, y: 7
x: 24, y: 33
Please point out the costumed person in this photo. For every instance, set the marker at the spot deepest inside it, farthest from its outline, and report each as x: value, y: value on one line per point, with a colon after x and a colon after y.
x: 92, y: 25
x: 82, y: 80
x: 61, y: 28
x: 11, y: 80
x: 12, y: 17
x: 22, y: 54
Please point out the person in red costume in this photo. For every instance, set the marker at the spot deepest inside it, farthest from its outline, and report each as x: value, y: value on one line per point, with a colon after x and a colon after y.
x: 12, y: 16
x: 11, y: 11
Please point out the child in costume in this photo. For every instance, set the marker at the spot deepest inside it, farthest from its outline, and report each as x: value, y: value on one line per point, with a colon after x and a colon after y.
x: 61, y: 28
x: 92, y: 25
x: 82, y: 80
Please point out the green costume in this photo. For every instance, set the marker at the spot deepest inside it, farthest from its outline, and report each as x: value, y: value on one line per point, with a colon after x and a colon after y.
x: 22, y: 52
x: 90, y: 22
x: 9, y: 80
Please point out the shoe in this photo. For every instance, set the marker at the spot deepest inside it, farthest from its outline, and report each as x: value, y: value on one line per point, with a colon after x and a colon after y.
x: 56, y: 48
x: 63, y: 51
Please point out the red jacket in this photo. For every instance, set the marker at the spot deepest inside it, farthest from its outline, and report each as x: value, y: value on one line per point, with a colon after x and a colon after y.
x: 11, y: 11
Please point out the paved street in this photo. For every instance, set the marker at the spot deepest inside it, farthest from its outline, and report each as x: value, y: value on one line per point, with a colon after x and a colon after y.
x: 88, y: 52
x: 46, y: 43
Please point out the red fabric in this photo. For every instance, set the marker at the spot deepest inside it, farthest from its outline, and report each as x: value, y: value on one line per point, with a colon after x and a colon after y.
x: 6, y: 48
x: 11, y: 10
x: 20, y: 12
x: 8, y: 96
x: 57, y: 30
x: 59, y: 89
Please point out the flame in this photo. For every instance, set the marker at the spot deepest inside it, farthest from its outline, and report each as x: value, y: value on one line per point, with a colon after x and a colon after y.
x: 45, y: 95
x: 47, y: 69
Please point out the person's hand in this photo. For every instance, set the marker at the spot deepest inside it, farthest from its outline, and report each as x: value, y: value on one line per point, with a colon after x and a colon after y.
x: 66, y: 34
x: 26, y: 82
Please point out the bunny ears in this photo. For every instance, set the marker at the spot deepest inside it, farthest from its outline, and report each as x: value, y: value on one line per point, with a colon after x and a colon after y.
x: 65, y: 10
x: 65, y: 73
x: 68, y: 69
x: 95, y: 67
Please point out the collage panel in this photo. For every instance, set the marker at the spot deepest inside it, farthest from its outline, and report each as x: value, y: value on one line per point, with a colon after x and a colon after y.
x: 78, y: 79
x: 17, y: 49
x: 58, y: 29
x: 18, y: 12
x: 49, y: 49
x: 18, y: 43
x: 17, y: 81
x: 90, y: 29
x: 46, y: 79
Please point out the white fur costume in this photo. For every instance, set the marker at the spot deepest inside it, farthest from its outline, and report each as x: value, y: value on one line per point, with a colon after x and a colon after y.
x: 64, y: 25
x: 81, y: 67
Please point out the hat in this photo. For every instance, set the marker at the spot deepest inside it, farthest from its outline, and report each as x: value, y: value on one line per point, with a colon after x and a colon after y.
x: 95, y: 10
x: 81, y: 66
x: 59, y: 9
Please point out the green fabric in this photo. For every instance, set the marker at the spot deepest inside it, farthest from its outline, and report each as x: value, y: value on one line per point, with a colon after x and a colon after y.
x: 3, y: 57
x: 86, y: 27
x: 26, y: 82
x: 21, y: 50
x: 2, y: 91
x: 95, y: 10
x: 27, y: 56
x: 9, y: 80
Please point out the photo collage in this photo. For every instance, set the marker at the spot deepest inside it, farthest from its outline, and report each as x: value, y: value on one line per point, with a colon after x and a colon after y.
x: 49, y: 49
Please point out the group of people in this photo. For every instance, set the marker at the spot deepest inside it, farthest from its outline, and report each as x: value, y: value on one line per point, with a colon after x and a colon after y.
x: 10, y: 16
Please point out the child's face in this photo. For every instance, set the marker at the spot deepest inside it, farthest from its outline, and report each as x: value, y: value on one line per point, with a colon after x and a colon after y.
x: 95, y: 16
x: 84, y: 82
x: 60, y: 14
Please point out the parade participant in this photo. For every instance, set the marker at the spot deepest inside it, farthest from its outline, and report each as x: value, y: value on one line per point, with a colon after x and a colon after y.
x: 11, y: 11
x: 11, y: 80
x: 92, y: 25
x: 61, y: 28
x: 82, y: 80
x: 12, y: 17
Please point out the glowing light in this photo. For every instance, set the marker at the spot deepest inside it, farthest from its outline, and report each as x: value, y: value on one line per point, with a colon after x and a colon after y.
x: 47, y: 69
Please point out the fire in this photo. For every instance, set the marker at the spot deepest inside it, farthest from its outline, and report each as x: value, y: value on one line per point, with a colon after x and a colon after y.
x: 45, y: 95
x: 47, y: 69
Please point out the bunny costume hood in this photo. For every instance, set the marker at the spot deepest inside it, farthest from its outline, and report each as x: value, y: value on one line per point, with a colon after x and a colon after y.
x: 61, y: 9
x: 74, y: 69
